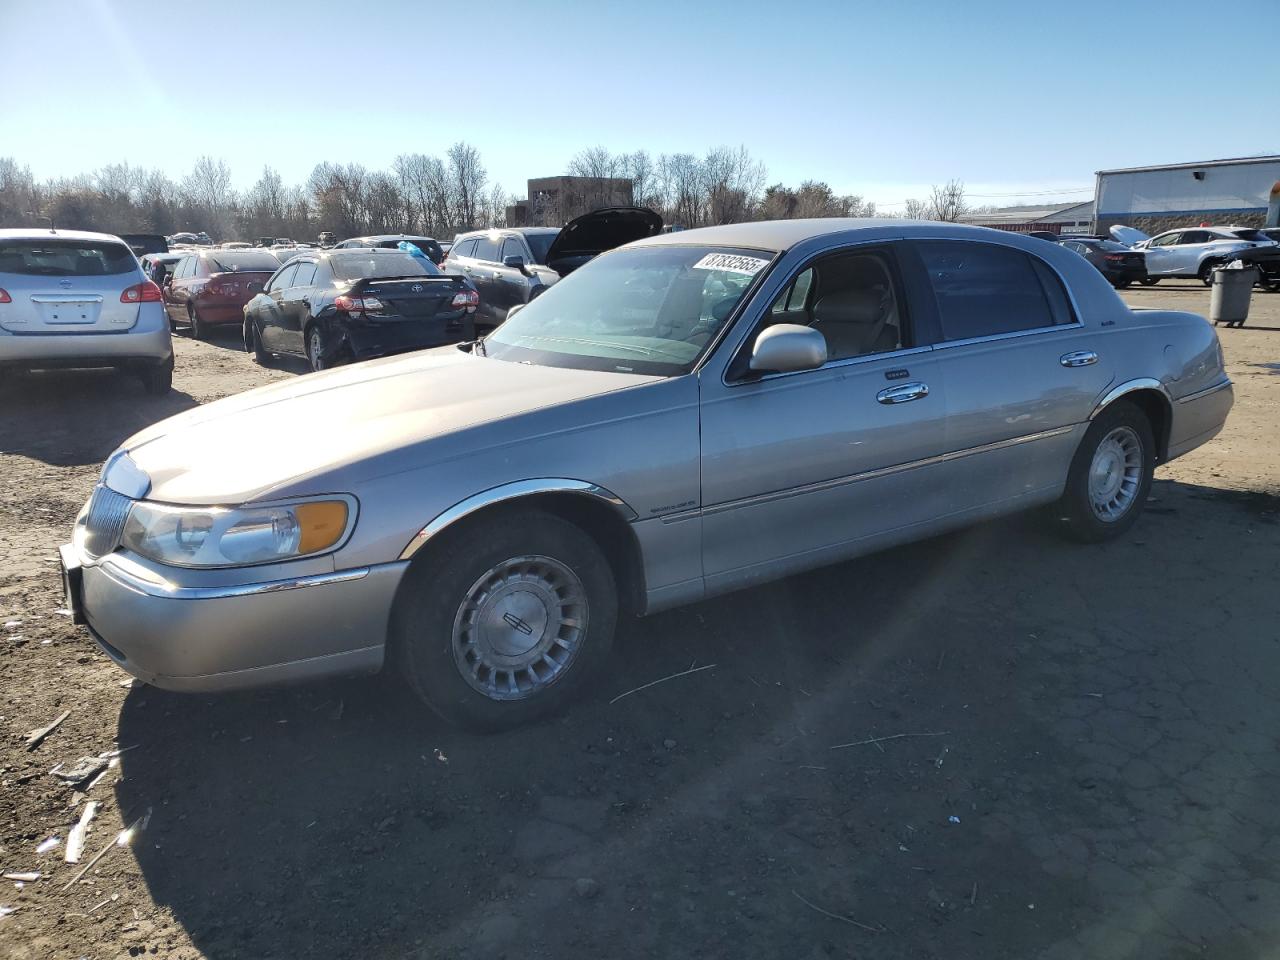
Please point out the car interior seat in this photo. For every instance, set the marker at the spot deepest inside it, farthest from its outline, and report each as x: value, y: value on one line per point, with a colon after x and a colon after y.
x: 856, y: 321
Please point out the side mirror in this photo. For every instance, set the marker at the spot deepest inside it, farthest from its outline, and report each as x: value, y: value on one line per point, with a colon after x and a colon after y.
x: 515, y: 262
x: 788, y: 348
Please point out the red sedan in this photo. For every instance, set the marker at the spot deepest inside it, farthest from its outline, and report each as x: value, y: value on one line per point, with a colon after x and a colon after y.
x: 210, y: 287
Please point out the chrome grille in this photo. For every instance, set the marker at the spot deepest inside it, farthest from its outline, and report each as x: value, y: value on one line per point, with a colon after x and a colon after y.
x: 103, y: 526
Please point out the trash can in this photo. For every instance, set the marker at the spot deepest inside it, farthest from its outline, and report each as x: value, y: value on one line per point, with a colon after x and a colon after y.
x: 1232, y: 290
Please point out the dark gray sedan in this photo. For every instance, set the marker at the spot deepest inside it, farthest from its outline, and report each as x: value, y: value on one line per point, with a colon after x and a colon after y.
x: 690, y: 414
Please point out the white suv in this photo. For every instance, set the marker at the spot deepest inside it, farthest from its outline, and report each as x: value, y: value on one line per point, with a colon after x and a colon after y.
x: 75, y: 299
x: 1189, y: 251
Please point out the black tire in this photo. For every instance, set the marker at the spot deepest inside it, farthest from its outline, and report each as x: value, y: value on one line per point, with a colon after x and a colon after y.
x: 1079, y: 518
x: 1206, y: 271
x: 1150, y: 281
x: 253, y: 341
x: 439, y: 588
x: 196, y: 328
x: 158, y: 380
x: 319, y: 350
x: 1121, y: 284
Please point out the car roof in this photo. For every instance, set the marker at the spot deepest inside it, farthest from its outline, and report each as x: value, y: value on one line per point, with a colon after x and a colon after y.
x: 784, y: 234
x: 523, y: 231
x: 44, y: 233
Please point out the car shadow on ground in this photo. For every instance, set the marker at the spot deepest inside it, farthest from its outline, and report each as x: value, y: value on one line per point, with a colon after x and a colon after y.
x: 1060, y: 751
x: 77, y: 417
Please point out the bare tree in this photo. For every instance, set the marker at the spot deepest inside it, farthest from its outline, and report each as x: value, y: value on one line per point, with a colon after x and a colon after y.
x: 947, y: 202
x: 467, y: 178
x: 916, y: 210
x: 732, y: 182
x: 680, y: 176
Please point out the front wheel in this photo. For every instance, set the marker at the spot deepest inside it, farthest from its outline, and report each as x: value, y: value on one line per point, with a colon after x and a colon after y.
x: 1110, y: 475
x: 505, y: 621
x: 1149, y: 281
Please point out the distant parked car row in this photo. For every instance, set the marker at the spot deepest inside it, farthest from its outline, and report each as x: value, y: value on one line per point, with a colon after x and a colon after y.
x: 1128, y: 255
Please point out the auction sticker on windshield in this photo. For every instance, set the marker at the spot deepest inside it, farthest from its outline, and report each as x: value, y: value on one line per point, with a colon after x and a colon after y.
x: 732, y: 263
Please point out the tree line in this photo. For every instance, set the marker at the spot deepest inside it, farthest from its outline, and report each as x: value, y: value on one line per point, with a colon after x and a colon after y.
x: 422, y: 194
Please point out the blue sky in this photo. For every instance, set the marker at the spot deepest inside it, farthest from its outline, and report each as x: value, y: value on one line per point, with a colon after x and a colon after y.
x: 878, y: 98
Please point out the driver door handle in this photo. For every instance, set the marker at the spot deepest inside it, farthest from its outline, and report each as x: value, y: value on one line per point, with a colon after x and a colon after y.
x: 903, y: 392
x: 1081, y: 358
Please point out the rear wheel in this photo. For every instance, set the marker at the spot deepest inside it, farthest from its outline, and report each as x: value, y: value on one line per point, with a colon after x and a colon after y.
x: 506, y: 621
x: 1121, y: 284
x: 318, y: 347
x: 198, y: 331
x: 1206, y: 271
x: 253, y: 341
x: 1149, y: 281
x: 1110, y: 475
x: 158, y: 380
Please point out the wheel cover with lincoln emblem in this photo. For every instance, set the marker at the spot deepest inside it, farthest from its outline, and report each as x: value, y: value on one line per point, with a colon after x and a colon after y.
x: 519, y: 627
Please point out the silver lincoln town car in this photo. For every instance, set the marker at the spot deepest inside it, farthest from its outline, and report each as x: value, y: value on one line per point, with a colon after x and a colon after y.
x: 687, y: 415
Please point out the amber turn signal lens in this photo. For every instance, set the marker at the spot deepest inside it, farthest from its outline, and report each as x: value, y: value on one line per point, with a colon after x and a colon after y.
x: 321, y: 523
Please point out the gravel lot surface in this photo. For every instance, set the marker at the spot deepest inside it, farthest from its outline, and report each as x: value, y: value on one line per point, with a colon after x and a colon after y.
x: 1077, y: 758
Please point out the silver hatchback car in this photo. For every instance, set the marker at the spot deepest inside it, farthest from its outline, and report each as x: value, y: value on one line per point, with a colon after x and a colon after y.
x: 687, y: 415
x: 69, y: 298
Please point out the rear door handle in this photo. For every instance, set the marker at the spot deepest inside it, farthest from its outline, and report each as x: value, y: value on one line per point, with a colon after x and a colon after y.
x: 903, y: 392
x: 1081, y: 358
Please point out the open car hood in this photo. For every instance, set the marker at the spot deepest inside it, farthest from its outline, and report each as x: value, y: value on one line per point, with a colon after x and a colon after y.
x: 593, y: 233
x: 1129, y: 236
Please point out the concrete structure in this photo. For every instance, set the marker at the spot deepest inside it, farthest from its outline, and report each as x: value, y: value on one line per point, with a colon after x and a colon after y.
x: 1071, y: 218
x: 1217, y: 192
x: 554, y: 201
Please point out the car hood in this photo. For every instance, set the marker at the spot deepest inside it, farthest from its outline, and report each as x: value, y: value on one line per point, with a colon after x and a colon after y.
x: 1127, y: 235
x: 284, y: 438
x: 593, y: 233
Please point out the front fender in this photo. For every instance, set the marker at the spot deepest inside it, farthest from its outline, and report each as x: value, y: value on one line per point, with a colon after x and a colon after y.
x: 514, y: 491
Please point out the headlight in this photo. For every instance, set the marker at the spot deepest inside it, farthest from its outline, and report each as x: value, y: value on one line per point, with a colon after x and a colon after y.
x: 236, y: 536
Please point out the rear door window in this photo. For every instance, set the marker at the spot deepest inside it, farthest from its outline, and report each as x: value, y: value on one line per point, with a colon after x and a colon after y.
x: 1195, y: 236
x: 984, y: 290
x: 66, y: 258
x: 466, y: 248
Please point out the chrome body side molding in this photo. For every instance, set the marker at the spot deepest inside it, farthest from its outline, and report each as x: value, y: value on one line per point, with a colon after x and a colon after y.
x: 514, y: 491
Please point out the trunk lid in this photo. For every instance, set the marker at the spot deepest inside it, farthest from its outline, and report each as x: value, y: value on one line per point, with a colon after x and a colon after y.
x: 593, y: 233
x: 242, y: 285
x: 411, y: 298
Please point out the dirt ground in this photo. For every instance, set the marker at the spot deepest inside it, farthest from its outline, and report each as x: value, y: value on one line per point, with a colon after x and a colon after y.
x: 1077, y: 749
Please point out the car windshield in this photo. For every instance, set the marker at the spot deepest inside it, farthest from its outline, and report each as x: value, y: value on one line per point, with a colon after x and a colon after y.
x: 647, y: 310
x: 233, y: 261
x: 65, y: 258
x: 370, y: 266
x: 539, y: 244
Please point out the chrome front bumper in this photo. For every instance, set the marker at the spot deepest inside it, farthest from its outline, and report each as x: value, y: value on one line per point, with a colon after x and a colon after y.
x: 202, y: 636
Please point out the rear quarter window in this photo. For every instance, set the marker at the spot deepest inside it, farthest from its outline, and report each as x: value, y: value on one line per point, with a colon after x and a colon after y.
x: 66, y: 258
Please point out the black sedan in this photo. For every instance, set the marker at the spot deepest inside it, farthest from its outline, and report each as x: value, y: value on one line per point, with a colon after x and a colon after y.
x: 336, y: 306
x: 1118, y: 263
x: 392, y: 241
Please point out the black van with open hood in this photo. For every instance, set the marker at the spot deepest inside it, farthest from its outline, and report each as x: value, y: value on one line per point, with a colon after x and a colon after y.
x: 593, y: 233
